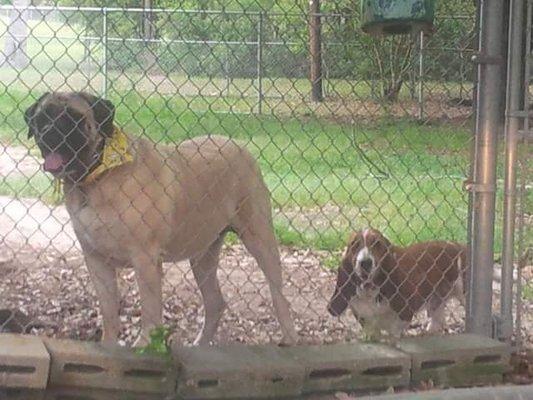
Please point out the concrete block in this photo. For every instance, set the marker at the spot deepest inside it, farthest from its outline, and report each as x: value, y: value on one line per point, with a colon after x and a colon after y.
x: 71, y: 393
x: 237, y: 371
x: 356, y: 367
x: 22, y: 394
x: 456, y: 360
x: 514, y: 392
x: 24, y: 362
x: 99, y: 366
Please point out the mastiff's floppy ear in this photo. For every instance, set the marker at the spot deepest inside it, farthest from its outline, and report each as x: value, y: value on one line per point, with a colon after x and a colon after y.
x: 104, y: 113
x: 30, y: 113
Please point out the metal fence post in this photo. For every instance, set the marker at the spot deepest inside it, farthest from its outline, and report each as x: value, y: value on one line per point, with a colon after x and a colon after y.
x: 260, y: 63
x: 515, y: 70
x: 521, y: 165
x: 421, y: 78
x: 16, y: 36
x: 104, y: 51
x: 315, y: 48
x: 472, y: 152
x: 227, y: 73
x: 489, y: 100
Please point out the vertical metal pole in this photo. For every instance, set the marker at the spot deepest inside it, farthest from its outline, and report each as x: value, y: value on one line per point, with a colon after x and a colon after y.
x: 104, y: 52
x: 472, y: 162
x: 315, y: 48
x: 227, y: 72
x: 522, y: 258
x: 421, y: 78
x: 325, y: 70
x: 15, y: 50
x: 87, y: 44
x: 523, y: 174
x: 260, y: 63
x: 148, y: 20
x: 515, y: 71
x: 487, y: 126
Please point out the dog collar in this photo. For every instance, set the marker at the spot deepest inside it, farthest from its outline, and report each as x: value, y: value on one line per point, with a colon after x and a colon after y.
x: 116, y: 152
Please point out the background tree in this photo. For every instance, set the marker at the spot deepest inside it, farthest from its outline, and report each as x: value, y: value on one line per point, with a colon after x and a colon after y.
x: 347, y: 53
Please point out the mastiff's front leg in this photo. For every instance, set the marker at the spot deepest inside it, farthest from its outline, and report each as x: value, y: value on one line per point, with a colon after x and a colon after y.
x: 104, y: 278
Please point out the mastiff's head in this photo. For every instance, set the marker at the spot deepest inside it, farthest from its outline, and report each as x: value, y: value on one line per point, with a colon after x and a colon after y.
x: 70, y: 130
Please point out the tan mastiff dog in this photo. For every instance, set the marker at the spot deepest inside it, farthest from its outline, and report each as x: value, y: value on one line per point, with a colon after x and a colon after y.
x: 135, y: 203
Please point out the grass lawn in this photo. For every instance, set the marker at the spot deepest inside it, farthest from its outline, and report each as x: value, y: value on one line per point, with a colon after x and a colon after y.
x: 326, y: 178
x: 58, y: 55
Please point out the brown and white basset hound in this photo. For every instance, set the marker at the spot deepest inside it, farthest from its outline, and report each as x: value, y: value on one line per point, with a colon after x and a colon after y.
x: 386, y: 285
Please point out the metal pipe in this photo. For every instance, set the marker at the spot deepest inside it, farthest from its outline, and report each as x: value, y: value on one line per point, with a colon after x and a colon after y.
x: 160, y: 41
x: 515, y: 72
x: 193, y: 11
x: 139, y: 10
x: 167, y: 41
x: 522, y: 257
x: 472, y: 152
x: 489, y: 98
x: 104, y: 52
x: 260, y: 64
x: 523, y: 173
x: 450, y: 49
x: 421, y: 77
x: 315, y: 48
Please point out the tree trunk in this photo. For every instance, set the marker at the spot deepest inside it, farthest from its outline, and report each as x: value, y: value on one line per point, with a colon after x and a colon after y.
x: 393, y: 91
x: 17, y: 35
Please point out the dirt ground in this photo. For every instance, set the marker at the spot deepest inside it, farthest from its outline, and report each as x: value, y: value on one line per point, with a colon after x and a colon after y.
x: 55, y: 290
x: 42, y: 274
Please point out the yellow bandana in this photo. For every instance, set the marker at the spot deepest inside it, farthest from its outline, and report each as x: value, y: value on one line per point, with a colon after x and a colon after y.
x: 57, y: 191
x: 116, y: 152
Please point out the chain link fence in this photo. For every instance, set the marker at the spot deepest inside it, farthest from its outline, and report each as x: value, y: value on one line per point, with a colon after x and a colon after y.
x: 388, y: 147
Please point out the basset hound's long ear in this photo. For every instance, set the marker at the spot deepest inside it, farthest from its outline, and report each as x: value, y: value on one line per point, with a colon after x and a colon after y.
x: 30, y: 113
x: 104, y: 112
x: 345, y: 288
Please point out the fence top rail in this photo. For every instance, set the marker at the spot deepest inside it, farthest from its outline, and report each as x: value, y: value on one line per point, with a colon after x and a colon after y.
x: 190, y: 41
x: 10, y: 7
x: 127, y: 9
x: 155, y: 10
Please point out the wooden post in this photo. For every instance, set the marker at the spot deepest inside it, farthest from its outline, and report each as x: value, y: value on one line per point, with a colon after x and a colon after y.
x: 315, y: 45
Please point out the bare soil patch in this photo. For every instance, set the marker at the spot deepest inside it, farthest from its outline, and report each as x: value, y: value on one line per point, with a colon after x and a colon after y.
x: 54, y: 289
x: 43, y: 275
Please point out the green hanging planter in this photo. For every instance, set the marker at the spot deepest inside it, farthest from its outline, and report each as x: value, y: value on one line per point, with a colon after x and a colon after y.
x: 393, y: 17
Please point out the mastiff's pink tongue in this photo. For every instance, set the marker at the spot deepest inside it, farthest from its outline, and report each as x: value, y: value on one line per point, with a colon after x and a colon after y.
x: 53, y: 162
